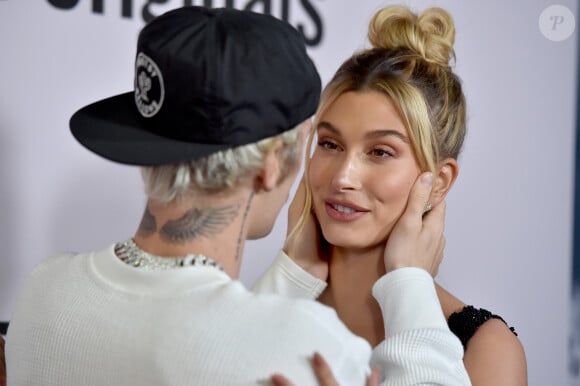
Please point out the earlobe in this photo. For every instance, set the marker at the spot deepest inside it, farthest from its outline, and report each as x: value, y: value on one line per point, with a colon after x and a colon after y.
x: 447, y: 173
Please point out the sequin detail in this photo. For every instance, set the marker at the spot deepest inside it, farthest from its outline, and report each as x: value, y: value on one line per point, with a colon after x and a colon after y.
x: 466, y: 322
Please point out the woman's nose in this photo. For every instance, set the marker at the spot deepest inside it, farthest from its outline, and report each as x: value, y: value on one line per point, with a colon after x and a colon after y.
x: 347, y: 174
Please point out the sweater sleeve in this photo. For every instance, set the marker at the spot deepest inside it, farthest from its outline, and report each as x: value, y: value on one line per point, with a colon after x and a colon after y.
x: 419, y: 348
x: 285, y: 277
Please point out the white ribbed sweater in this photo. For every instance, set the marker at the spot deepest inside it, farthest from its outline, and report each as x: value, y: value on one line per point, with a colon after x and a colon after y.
x: 419, y: 348
x: 90, y: 319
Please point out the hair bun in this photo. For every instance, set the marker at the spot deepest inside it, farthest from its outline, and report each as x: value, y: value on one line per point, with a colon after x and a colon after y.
x: 431, y: 34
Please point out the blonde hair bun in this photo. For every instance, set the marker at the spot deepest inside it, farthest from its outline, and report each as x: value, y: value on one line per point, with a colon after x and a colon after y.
x: 431, y: 34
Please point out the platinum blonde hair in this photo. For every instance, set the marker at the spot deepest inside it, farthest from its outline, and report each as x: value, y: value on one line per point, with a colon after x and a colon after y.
x: 219, y: 171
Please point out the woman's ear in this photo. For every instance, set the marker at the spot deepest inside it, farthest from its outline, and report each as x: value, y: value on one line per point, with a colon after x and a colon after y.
x: 267, y: 178
x: 447, y: 173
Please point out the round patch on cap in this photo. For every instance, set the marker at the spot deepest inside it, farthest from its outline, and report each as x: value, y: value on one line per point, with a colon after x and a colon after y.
x: 149, y: 88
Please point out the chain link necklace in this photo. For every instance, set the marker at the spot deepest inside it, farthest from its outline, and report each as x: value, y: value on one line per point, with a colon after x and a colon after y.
x: 131, y: 254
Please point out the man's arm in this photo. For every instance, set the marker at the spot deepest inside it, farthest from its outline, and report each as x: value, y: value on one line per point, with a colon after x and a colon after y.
x: 285, y: 277
x: 419, y: 347
x: 300, y: 270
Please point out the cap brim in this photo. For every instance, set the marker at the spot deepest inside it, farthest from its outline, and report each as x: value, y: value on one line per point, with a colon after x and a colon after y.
x: 114, y: 129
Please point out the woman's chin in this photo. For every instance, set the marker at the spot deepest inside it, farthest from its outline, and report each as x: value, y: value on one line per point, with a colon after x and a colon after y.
x: 361, y: 241
x: 340, y: 241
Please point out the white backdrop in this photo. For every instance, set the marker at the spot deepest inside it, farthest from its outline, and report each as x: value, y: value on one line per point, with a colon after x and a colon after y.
x: 509, y: 221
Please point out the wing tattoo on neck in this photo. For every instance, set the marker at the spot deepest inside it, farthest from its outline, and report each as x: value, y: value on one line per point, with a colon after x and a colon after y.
x: 198, y: 222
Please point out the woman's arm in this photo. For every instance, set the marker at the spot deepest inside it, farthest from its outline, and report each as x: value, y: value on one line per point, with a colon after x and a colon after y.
x: 494, y: 356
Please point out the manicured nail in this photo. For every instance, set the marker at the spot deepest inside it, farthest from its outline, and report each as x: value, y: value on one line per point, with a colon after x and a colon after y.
x: 427, y: 179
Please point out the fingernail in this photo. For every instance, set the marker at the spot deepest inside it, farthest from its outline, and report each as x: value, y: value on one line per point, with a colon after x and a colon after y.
x: 275, y: 381
x: 316, y: 359
x: 427, y: 179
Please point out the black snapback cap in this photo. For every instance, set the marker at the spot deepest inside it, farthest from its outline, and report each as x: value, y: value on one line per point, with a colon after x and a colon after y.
x: 205, y: 80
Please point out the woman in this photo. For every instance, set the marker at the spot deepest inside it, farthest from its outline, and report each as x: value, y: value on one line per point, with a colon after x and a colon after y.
x: 390, y: 113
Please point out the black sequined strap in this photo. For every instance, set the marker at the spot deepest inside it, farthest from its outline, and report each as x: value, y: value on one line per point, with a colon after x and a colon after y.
x: 466, y: 322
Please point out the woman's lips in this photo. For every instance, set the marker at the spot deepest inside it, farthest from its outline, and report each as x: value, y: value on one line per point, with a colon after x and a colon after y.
x: 343, y: 211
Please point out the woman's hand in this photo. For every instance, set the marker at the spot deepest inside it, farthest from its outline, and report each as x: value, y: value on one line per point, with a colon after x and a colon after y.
x: 306, y: 247
x: 323, y: 374
x: 417, y: 239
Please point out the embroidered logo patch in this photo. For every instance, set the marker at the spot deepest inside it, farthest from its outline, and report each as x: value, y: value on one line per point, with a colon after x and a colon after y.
x: 149, y: 88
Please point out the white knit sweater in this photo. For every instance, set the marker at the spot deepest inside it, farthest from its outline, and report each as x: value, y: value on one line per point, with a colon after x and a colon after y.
x: 419, y: 348
x: 90, y: 319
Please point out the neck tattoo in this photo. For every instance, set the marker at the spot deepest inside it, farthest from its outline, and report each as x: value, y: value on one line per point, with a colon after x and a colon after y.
x: 198, y: 222
x: 131, y: 254
x: 239, y: 246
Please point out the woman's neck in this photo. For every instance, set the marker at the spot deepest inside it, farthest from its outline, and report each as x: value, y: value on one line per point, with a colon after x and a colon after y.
x: 351, y: 278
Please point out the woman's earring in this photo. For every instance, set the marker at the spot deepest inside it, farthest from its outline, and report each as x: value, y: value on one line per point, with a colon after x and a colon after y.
x: 428, y: 207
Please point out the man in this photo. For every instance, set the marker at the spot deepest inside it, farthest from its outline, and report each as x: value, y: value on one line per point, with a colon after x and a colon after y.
x: 216, y: 121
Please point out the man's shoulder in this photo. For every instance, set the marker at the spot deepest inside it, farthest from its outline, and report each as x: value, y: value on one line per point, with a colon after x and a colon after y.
x: 58, y: 271
x: 61, y: 263
x: 303, y: 314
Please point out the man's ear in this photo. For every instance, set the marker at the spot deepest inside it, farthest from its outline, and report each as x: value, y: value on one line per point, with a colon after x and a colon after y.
x: 267, y: 179
x: 447, y: 173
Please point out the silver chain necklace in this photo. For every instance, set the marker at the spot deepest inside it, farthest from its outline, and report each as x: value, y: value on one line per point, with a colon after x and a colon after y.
x: 131, y: 254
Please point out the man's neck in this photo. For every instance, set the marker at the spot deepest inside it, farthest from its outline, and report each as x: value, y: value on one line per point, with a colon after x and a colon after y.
x: 213, y: 226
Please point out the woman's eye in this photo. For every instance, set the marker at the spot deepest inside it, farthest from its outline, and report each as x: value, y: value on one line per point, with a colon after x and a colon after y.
x: 381, y: 153
x: 327, y: 145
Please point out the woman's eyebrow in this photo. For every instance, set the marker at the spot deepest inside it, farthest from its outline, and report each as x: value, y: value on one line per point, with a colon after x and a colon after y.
x: 370, y: 135
x: 328, y: 126
x: 383, y: 133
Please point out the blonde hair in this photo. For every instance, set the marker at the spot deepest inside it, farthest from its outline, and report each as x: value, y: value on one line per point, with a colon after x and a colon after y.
x: 409, y: 62
x: 219, y: 171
